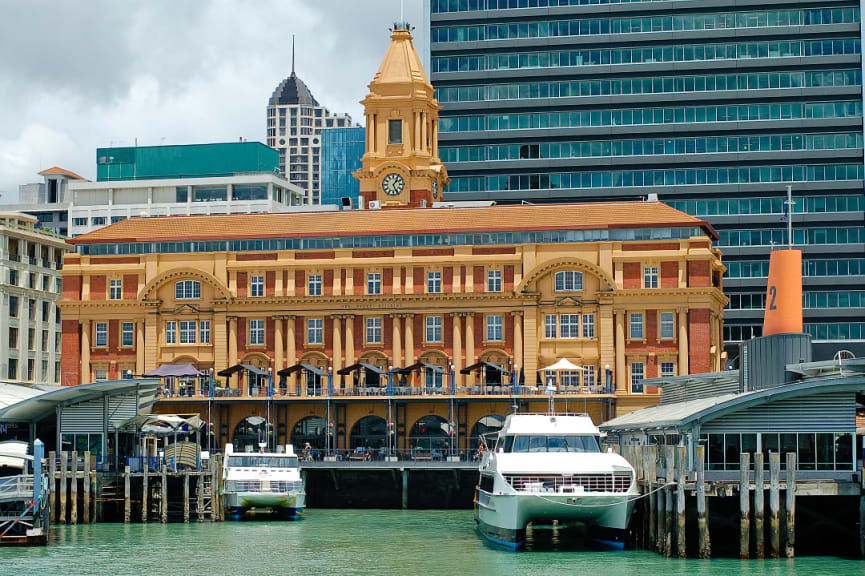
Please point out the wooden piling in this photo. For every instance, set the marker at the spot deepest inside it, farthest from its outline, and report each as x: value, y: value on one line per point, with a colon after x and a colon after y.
x: 144, y: 491
x: 704, y: 544
x: 790, y: 507
x: 404, y: 488
x: 86, y: 502
x: 63, y: 465
x: 163, y: 507
x: 681, y: 467
x: 744, y: 505
x: 52, y: 483
x: 200, y: 493
x: 651, y: 481
x: 774, y: 504
x: 127, y: 496
x: 73, y: 492
x: 668, y: 491
x: 662, y: 518
x: 214, y: 489
x: 186, y: 497
x: 759, y: 487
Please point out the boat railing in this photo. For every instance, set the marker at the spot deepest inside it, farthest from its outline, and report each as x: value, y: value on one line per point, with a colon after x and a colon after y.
x: 151, y: 463
x: 571, y: 483
x: 362, y: 455
x: 14, y: 487
x: 265, y: 486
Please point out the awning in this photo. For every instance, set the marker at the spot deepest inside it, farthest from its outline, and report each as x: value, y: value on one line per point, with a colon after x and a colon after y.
x: 361, y: 366
x: 305, y: 367
x: 482, y: 364
x: 175, y: 370
x: 421, y: 366
x: 563, y: 364
x: 161, y: 424
x: 239, y: 367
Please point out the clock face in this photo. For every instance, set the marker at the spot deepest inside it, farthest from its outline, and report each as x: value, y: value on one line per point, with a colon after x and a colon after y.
x: 435, y: 189
x: 392, y: 184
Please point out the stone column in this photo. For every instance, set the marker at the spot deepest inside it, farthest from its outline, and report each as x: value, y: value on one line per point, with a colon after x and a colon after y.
x: 337, y: 347
x: 458, y: 348
x: 530, y: 345
x: 232, y: 340
x: 290, y: 351
x: 409, y: 339
x: 396, y: 356
x: 518, y: 340
x: 470, y: 346
x: 277, y: 344
x: 621, y: 374
x: 139, y: 348
x: 85, y: 352
x: 220, y: 342
x: 349, y: 339
x: 683, y: 342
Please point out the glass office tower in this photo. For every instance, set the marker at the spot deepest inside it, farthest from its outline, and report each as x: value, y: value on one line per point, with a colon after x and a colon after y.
x: 341, y: 151
x: 714, y: 105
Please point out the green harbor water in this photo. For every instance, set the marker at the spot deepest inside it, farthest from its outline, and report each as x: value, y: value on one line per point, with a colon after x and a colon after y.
x: 343, y: 542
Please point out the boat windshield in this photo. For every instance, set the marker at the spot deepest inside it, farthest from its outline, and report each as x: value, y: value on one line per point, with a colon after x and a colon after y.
x: 571, y: 443
x: 259, y: 461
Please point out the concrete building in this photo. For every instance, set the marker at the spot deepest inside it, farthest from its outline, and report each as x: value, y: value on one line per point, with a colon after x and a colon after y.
x: 457, y: 310
x: 30, y: 260
x: 714, y: 106
x: 228, y: 178
x: 48, y: 200
x: 341, y: 151
x: 295, y: 120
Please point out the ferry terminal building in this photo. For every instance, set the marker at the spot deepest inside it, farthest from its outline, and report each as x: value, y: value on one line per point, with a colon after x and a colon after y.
x: 402, y: 323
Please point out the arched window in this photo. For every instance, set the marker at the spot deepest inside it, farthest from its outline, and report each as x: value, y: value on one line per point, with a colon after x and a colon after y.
x: 310, y: 429
x: 486, y: 425
x: 369, y: 432
x: 569, y: 281
x: 187, y: 290
x: 249, y: 433
x: 430, y: 434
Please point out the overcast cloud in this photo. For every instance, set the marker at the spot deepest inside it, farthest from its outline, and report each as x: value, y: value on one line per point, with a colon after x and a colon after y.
x: 77, y: 75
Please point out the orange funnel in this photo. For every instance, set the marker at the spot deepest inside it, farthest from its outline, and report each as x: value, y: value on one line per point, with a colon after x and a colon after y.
x: 784, y: 294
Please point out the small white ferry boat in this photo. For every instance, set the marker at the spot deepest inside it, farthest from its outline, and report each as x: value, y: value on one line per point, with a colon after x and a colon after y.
x: 546, y: 467
x: 263, y: 482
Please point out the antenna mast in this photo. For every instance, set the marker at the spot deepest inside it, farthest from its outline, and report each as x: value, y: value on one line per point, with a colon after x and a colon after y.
x: 292, y: 54
x: 789, y: 204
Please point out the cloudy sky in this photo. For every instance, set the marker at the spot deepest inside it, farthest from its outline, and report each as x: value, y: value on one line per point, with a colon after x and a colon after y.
x: 76, y: 75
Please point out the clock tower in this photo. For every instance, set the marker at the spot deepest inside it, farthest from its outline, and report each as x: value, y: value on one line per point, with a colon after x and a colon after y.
x: 401, y: 167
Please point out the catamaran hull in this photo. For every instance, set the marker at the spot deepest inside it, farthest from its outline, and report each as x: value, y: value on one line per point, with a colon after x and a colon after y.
x: 289, y: 505
x: 502, y: 518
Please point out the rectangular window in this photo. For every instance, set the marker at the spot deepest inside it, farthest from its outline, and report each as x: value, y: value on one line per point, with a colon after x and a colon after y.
x: 204, y: 332
x: 13, y: 306
x: 434, y: 282
x: 373, y: 330
x: 313, y: 285
x: 31, y: 339
x: 636, y: 325
x: 668, y: 328
x: 637, y: 375
x: 569, y: 325
x: 550, y: 326
x: 494, y: 280
x: 433, y: 328
x: 495, y: 330
x: 256, y: 332
x: 314, y: 331
x: 101, y: 334
x: 256, y: 286
x: 187, y: 332
x: 373, y: 283
x: 127, y: 333
x: 13, y: 338
x: 650, y: 277
x: 13, y: 277
x: 668, y: 369
x: 569, y: 281
x: 394, y: 131
x: 115, y: 289
x: 12, y: 372
x: 569, y: 378
x: 588, y: 325
x: 171, y: 332
x: 100, y: 375
x: 588, y: 375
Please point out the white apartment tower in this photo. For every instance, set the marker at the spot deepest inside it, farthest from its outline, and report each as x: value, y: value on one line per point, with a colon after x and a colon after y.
x: 295, y: 120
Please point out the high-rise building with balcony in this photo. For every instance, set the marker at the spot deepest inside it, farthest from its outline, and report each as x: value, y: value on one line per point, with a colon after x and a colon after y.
x: 716, y: 106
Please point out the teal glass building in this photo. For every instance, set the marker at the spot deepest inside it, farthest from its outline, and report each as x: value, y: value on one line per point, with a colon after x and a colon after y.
x: 341, y: 151
x: 715, y: 106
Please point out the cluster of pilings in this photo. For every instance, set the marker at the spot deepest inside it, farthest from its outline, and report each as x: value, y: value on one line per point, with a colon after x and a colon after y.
x: 68, y: 504
x: 666, y: 481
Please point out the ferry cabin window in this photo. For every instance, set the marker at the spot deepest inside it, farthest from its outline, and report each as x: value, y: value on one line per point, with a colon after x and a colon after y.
x: 569, y: 443
x: 487, y: 483
x: 258, y: 461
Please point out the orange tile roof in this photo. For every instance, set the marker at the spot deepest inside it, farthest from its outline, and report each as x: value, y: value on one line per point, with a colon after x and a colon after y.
x: 58, y: 170
x: 595, y: 215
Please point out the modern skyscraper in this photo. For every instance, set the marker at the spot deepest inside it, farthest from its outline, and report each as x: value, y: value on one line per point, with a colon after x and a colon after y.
x: 341, y: 150
x: 714, y: 106
x: 294, y: 123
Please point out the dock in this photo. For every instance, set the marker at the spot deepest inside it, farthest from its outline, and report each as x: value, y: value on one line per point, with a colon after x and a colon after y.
x: 23, y: 511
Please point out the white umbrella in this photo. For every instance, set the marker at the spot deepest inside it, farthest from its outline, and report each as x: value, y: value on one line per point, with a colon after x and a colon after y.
x: 563, y: 364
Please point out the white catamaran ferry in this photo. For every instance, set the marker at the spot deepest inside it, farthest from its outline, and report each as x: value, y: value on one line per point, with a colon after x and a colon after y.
x: 550, y: 467
x: 263, y: 481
